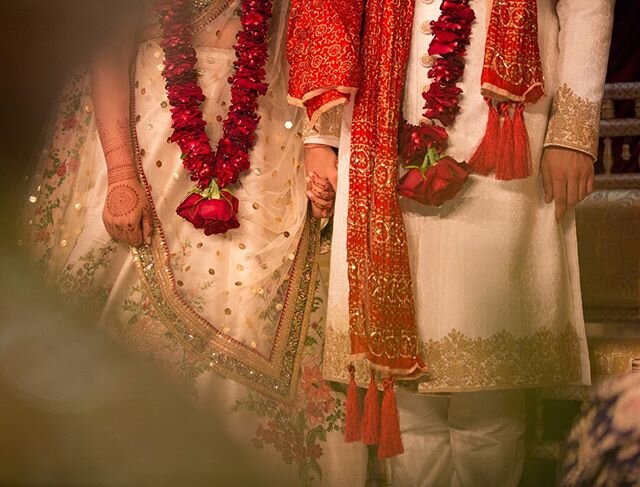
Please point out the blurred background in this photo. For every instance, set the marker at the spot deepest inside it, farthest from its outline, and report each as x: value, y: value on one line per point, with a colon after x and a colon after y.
x: 40, y: 43
x: 75, y: 408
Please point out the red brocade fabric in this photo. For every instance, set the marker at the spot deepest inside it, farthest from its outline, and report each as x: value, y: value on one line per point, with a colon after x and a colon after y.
x: 325, y: 56
x: 511, y: 76
x: 512, y: 68
x: 381, y: 308
x: 323, y: 46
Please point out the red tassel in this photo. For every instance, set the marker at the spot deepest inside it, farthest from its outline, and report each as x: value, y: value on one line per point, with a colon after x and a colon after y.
x: 371, y: 416
x: 352, y: 414
x: 521, y: 152
x: 390, y: 437
x: 484, y: 159
x: 504, y: 164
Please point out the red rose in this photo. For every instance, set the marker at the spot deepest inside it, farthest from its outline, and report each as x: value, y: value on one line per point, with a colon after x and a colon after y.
x: 463, y: 13
x: 253, y: 20
x: 439, y: 183
x: 441, y: 103
x: 415, y: 140
x: 187, y: 119
x: 250, y: 83
x: 187, y: 94
x: 214, y: 215
x: 447, y: 70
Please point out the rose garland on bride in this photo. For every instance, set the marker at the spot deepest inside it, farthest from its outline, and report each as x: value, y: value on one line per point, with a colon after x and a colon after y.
x: 434, y: 177
x: 210, y: 205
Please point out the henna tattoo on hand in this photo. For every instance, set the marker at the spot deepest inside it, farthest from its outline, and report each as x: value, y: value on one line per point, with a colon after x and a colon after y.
x: 115, y: 137
x: 122, y: 172
x: 122, y: 200
x: 321, y: 182
x: 325, y: 195
x: 318, y: 203
x: 118, y: 150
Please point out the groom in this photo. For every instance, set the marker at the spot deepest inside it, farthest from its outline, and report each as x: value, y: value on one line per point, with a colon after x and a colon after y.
x: 468, y: 284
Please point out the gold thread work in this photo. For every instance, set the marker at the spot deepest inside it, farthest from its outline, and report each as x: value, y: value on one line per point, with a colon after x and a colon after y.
x: 574, y: 122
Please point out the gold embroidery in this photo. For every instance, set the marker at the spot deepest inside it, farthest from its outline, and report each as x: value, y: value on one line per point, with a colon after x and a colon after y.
x: 381, y: 312
x: 574, y: 122
x: 200, y: 5
x: 274, y: 374
x: 205, y: 12
x: 458, y: 363
x: 518, y: 61
x: 329, y: 124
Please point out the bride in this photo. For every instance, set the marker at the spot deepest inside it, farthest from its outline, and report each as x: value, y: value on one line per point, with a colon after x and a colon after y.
x: 237, y: 310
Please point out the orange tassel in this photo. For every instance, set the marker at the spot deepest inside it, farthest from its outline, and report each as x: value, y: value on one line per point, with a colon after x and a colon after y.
x: 352, y: 414
x: 484, y: 159
x: 390, y: 437
x: 504, y: 164
x: 371, y: 416
x: 521, y: 152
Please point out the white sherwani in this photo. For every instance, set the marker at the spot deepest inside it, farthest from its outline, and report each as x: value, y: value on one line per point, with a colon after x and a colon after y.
x: 495, y: 276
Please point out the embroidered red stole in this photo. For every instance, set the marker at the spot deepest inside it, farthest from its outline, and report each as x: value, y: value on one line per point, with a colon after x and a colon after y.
x: 323, y: 50
x: 511, y: 78
x: 381, y: 308
x: 328, y: 64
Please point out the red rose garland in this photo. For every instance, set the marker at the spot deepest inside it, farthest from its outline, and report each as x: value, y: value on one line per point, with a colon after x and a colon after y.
x: 433, y: 177
x: 209, y: 206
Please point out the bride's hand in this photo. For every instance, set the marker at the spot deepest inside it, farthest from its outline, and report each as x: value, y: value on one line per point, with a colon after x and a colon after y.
x: 127, y: 215
x: 321, y: 164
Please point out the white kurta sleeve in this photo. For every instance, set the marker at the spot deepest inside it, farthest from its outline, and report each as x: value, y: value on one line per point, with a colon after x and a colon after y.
x: 326, y: 130
x: 583, y: 43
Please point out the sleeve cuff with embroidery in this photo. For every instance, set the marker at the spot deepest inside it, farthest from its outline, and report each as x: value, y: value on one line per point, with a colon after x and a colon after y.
x: 326, y: 130
x: 574, y: 122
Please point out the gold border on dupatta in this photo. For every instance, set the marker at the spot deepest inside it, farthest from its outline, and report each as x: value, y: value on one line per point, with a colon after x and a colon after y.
x: 209, y: 14
x: 275, y: 375
x: 201, y: 18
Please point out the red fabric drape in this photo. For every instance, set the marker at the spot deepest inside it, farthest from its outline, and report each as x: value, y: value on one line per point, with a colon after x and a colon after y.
x: 326, y: 56
x: 323, y: 50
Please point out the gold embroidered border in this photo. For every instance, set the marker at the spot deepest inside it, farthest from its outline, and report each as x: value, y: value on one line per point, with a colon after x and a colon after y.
x: 274, y: 375
x: 459, y: 363
x: 205, y: 12
x: 574, y: 122
x: 329, y: 124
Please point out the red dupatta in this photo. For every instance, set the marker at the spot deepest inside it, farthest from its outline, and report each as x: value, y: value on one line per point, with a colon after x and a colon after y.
x: 331, y: 58
x: 328, y: 64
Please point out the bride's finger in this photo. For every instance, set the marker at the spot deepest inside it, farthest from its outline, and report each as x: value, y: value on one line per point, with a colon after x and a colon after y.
x: 320, y: 203
x: 321, y: 181
x: 323, y: 192
x: 327, y: 196
x: 147, y: 224
x: 134, y: 235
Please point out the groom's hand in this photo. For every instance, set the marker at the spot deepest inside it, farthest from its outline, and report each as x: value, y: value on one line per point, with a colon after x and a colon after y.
x: 567, y: 177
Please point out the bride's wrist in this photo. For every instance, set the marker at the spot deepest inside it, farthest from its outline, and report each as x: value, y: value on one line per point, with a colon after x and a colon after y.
x: 121, y: 172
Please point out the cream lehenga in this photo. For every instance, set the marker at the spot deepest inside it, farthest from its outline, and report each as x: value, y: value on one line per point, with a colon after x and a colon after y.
x: 247, y: 305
